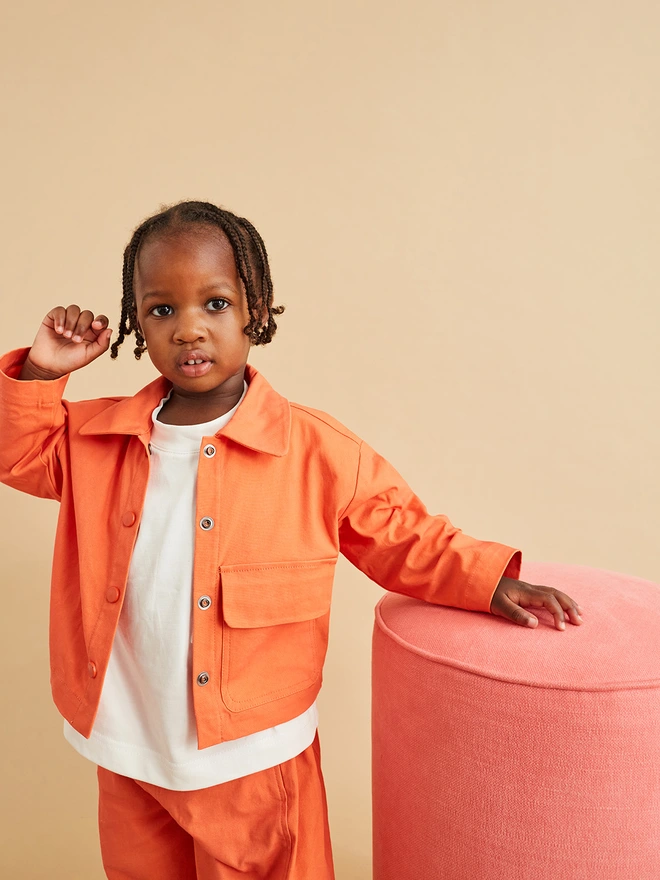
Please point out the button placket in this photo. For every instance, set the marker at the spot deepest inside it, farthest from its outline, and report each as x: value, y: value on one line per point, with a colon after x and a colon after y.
x: 203, y: 653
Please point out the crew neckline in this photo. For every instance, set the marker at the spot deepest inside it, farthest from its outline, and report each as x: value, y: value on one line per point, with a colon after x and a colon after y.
x: 186, y: 438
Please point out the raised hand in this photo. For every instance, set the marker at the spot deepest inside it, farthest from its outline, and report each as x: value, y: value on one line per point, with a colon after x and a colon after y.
x: 67, y: 340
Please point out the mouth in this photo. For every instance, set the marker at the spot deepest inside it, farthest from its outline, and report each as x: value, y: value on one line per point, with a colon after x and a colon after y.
x: 194, y: 364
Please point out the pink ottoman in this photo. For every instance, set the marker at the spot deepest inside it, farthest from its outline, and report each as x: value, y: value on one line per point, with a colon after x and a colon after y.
x: 508, y: 753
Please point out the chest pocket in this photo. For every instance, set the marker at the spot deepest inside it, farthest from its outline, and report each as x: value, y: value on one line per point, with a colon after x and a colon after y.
x: 275, y: 629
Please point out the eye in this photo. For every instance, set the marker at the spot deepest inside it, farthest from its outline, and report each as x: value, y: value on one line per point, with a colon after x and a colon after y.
x: 155, y: 311
x: 217, y: 305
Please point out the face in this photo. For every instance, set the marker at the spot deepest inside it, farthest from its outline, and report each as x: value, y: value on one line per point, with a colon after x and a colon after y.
x: 191, y: 306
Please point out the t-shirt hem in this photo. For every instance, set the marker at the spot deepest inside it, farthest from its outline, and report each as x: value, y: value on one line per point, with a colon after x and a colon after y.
x: 204, y: 770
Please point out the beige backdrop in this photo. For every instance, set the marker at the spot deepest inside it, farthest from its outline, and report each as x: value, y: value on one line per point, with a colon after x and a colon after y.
x: 461, y: 203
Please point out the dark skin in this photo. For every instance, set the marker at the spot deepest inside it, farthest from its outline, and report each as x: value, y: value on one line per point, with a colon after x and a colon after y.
x: 190, y: 299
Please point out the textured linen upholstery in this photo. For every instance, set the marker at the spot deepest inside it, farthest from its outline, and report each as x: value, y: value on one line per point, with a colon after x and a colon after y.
x: 505, y: 752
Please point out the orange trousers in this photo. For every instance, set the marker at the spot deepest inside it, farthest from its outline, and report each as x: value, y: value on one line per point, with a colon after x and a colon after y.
x: 270, y: 825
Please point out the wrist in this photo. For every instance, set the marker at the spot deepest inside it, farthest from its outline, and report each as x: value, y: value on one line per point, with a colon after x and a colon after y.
x: 29, y: 371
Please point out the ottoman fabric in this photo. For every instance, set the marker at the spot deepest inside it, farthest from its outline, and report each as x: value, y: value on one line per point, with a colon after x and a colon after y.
x: 505, y: 752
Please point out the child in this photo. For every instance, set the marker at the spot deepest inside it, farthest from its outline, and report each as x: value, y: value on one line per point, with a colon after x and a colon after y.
x: 199, y: 528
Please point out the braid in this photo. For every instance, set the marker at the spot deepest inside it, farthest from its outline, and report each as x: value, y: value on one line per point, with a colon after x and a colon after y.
x: 251, y: 261
x: 128, y: 320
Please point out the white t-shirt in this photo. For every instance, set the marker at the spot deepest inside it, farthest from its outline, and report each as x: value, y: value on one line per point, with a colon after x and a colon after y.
x: 145, y: 725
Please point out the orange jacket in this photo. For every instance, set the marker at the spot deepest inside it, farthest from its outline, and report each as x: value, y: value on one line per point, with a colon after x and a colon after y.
x: 282, y: 489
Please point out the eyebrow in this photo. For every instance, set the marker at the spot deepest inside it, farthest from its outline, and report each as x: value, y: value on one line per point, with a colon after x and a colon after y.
x: 161, y: 293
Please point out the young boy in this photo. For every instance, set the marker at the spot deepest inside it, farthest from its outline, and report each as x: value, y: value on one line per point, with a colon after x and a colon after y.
x: 200, y: 525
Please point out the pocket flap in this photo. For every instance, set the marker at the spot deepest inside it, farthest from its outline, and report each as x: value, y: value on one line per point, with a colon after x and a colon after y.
x: 267, y: 594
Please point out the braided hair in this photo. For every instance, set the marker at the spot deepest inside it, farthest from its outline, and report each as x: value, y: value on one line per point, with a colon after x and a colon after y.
x: 249, y: 253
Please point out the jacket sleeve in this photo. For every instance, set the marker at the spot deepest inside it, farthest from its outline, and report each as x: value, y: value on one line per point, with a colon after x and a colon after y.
x: 33, y: 425
x: 387, y: 533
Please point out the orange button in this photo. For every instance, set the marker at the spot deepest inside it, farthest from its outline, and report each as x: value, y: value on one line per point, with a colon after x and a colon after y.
x: 112, y: 594
x: 128, y: 518
x: 91, y: 668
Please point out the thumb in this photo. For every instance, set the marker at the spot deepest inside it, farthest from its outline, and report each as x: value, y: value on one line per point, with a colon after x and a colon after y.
x: 98, y: 346
x: 502, y: 606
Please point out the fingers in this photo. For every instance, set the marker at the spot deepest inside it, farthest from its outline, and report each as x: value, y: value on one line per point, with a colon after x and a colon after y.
x: 58, y: 316
x: 549, y: 601
x: 77, y: 325
x: 99, y: 328
x: 511, y: 598
x: 82, y: 326
x: 71, y: 315
x: 99, y: 323
x: 570, y: 606
x: 557, y: 603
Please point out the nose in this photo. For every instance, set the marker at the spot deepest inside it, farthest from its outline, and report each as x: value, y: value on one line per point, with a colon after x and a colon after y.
x: 190, y: 327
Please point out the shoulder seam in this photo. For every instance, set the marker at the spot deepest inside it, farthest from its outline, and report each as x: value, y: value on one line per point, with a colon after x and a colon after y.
x: 346, y: 433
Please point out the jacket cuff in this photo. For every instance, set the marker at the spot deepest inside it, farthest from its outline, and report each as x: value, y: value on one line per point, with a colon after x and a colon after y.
x: 497, y: 561
x: 11, y: 364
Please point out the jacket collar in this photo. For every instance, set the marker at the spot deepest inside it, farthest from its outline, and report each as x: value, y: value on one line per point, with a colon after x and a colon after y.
x: 262, y: 421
